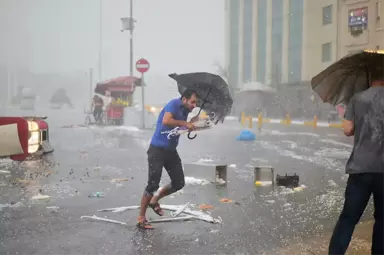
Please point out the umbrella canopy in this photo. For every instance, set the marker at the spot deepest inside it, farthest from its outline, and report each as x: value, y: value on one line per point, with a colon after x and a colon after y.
x: 119, y: 84
x: 213, y: 92
x: 348, y: 76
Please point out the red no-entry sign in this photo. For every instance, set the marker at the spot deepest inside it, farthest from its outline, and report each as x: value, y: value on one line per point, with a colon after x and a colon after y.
x: 142, y: 65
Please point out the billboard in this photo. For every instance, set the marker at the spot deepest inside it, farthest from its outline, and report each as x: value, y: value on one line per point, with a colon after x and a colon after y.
x: 358, y: 17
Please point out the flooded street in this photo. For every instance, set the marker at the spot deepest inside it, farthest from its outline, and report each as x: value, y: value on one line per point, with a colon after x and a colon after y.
x: 285, y: 98
x: 42, y: 201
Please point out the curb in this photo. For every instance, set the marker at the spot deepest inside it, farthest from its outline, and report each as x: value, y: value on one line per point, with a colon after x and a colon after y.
x: 314, y: 123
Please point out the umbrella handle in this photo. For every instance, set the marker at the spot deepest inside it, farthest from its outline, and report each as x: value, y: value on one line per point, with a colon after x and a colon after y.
x: 191, y: 137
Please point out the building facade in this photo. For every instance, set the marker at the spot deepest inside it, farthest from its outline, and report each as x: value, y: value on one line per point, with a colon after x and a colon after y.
x: 290, y: 41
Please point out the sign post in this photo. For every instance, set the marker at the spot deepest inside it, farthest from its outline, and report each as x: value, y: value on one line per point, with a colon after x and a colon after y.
x: 142, y: 66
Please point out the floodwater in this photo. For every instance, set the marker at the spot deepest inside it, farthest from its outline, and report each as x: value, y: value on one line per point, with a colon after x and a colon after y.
x: 42, y: 201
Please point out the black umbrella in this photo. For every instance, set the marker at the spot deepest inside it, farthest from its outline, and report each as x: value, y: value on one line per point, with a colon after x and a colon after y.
x: 213, y: 92
x: 348, y: 76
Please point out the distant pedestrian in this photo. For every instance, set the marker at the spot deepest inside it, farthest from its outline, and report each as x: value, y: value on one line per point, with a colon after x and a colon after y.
x: 364, y: 118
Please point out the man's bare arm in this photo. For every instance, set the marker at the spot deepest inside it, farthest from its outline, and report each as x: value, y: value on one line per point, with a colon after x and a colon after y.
x: 348, y: 127
x: 168, y: 120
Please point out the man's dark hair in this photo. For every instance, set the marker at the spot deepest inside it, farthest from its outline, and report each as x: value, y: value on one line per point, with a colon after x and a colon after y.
x: 188, y: 93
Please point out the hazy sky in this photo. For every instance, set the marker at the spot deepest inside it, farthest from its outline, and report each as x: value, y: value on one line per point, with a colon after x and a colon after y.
x: 62, y: 35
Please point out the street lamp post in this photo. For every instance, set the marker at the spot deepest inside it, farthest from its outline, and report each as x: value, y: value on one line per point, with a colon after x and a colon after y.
x: 100, y: 40
x: 131, y: 39
x: 128, y: 23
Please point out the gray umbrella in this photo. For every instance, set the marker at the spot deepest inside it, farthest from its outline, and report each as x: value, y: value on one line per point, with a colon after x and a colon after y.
x: 342, y: 80
x: 213, y: 92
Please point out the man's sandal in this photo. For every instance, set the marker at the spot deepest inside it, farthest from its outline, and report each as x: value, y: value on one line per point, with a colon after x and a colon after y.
x: 144, y: 224
x: 157, y: 209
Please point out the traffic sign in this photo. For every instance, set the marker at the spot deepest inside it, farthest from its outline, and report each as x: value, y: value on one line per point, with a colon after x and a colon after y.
x: 142, y: 65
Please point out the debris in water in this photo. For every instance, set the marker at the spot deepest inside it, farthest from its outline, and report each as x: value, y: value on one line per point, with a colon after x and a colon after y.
x: 40, y: 197
x: 12, y: 205
x: 289, y: 181
x: 205, y: 207
x: 331, y: 183
x: 94, y: 217
x: 119, y: 180
x: 300, y: 188
x: 97, y: 194
x: 195, y: 181
x: 53, y: 208
x: 178, y: 212
x: 197, y: 214
x: 263, y: 183
x: 226, y: 201
x: 182, y: 218
x: 220, y: 181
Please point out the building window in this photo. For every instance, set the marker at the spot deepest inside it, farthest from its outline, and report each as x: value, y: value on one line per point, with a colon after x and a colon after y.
x: 326, y: 52
x: 327, y: 15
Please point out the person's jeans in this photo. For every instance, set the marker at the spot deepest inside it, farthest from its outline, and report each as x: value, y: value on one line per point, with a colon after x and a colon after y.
x: 358, y: 191
x: 97, y: 112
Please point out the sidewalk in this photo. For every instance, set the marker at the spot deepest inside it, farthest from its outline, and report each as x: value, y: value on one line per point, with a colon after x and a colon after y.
x: 360, y: 244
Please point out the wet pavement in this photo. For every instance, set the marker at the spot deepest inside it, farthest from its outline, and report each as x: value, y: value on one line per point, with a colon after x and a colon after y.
x: 113, y: 160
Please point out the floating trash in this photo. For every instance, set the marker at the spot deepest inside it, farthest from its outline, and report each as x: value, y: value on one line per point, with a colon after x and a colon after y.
x: 40, y: 197
x: 332, y: 183
x: 291, y: 181
x: 194, y: 181
x: 119, y: 180
x: 263, y: 183
x: 220, y: 181
x: 97, y: 194
x: 53, y: 208
x: 205, y: 207
x: 300, y: 188
x: 12, y: 205
x: 178, y: 212
x: 196, y: 214
x: 226, y: 201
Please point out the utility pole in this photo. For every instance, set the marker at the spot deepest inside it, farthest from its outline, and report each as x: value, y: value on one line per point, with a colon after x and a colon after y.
x: 131, y: 39
x: 100, y: 41
x: 129, y: 24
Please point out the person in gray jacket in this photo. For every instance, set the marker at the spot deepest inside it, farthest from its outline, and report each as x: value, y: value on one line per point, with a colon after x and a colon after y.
x: 364, y: 119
